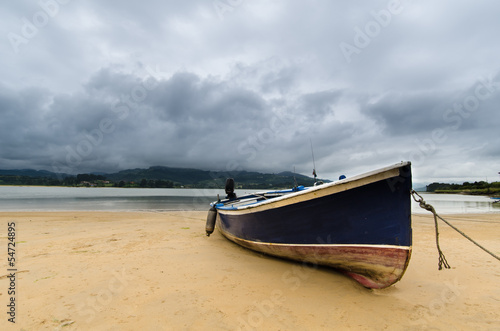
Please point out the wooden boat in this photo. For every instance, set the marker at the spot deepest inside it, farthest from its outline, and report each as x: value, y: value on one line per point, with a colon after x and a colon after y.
x: 359, y: 225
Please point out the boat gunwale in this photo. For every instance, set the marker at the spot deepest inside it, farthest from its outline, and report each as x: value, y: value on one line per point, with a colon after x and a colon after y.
x: 226, y: 207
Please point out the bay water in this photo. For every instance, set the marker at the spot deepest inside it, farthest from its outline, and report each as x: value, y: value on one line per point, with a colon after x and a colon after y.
x: 43, y: 198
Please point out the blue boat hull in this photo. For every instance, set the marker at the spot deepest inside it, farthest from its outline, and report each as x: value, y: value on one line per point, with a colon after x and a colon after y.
x: 360, y: 225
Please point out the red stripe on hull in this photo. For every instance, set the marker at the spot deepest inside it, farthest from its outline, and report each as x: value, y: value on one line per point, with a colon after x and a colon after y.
x: 373, y: 266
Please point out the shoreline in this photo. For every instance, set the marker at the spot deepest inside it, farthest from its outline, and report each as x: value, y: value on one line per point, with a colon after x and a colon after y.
x: 489, y: 195
x: 127, y: 270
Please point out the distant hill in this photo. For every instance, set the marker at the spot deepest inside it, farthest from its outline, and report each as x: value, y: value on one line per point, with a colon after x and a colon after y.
x: 420, y: 187
x: 32, y: 173
x: 203, y: 178
x: 185, y: 177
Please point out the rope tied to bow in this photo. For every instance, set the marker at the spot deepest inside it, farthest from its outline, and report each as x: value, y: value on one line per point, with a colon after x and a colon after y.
x: 426, y: 206
x: 442, y: 258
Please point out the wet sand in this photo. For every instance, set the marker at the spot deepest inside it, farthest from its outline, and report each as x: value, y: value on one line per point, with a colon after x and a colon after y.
x: 158, y: 271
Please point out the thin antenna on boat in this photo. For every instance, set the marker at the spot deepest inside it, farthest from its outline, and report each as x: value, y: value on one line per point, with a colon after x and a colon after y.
x: 314, y: 164
x: 295, y: 179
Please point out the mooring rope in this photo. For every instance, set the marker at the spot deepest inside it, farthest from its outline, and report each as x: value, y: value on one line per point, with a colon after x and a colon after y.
x: 442, y: 259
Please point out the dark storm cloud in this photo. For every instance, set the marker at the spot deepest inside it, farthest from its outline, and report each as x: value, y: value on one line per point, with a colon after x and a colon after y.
x: 408, y: 113
x: 117, y: 115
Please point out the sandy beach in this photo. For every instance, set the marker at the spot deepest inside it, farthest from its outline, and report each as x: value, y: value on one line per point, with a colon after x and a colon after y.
x: 158, y: 271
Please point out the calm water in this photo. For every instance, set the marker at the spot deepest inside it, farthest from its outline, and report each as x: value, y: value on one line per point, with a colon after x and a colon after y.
x: 33, y: 198
x: 25, y: 198
x: 457, y: 204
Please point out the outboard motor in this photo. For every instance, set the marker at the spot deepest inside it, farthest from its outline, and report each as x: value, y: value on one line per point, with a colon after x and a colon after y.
x: 230, y: 189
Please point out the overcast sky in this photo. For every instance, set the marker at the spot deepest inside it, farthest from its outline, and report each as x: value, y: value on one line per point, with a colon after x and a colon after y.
x: 239, y: 84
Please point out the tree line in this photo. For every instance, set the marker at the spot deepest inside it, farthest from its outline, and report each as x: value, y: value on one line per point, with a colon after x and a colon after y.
x: 479, y: 188
x: 82, y: 180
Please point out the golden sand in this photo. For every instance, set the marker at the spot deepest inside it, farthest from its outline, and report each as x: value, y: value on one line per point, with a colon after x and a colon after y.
x: 158, y: 271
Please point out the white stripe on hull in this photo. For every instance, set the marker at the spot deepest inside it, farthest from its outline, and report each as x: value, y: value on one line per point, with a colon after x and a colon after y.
x: 256, y: 243
x: 227, y: 234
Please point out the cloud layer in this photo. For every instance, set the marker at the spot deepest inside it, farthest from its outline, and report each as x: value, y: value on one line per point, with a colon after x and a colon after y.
x: 228, y: 85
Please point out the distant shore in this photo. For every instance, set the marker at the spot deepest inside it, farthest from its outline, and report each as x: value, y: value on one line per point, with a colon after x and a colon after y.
x: 481, y: 193
x: 141, y: 270
x: 476, y: 188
